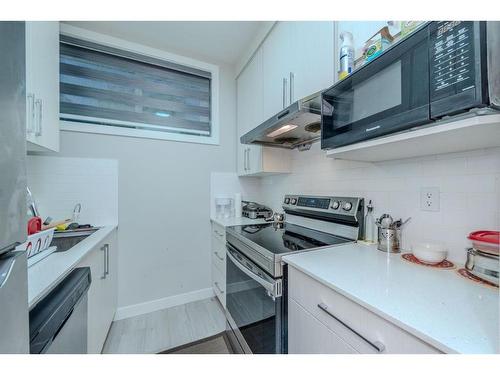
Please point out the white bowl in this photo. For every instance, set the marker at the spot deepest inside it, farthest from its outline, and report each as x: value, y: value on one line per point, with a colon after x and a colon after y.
x: 430, y: 253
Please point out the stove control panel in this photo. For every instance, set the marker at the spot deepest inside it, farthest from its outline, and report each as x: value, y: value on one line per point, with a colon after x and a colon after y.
x: 335, y: 205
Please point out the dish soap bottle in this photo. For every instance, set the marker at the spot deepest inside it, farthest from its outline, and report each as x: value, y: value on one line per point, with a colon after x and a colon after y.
x: 369, y: 223
x: 346, y: 55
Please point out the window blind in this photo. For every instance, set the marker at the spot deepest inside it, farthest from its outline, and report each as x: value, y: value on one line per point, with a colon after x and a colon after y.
x: 110, y: 87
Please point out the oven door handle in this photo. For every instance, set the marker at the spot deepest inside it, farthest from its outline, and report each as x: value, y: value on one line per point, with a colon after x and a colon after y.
x: 273, y: 288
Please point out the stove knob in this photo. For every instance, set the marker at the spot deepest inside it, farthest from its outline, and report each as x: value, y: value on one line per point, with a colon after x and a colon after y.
x: 287, y: 200
x: 335, y: 205
x: 294, y: 201
x: 347, y: 206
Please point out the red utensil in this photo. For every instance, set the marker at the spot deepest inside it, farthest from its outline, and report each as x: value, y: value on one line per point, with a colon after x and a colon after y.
x: 34, y: 225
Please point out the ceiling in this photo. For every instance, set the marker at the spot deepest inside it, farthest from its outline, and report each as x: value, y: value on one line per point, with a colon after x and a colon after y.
x: 215, y: 41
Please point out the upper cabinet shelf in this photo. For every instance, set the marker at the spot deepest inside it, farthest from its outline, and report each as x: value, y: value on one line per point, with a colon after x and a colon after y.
x: 466, y: 134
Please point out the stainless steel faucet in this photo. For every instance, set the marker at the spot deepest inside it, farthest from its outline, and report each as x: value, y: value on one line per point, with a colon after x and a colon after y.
x: 76, y: 212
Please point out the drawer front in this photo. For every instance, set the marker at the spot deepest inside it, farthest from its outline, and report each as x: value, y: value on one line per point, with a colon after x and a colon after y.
x: 219, y: 285
x: 368, y: 327
x: 307, y: 335
x: 219, y: 232
x: 218, y: 254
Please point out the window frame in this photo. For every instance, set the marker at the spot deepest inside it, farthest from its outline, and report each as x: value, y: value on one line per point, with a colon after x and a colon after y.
x: 91, y: 36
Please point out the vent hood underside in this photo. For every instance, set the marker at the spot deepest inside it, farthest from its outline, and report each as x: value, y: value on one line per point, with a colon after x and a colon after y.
x: 297, y: 125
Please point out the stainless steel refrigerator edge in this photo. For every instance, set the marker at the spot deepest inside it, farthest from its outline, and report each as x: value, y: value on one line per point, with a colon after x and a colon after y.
x: 14, y: 322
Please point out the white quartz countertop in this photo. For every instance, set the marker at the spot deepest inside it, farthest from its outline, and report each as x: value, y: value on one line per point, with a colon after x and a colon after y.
x: 440, y: 307
x: 232, y: 221
x: 47, y: 273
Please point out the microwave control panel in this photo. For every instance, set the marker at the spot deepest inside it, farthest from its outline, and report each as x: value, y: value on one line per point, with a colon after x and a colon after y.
x: 452, y: 60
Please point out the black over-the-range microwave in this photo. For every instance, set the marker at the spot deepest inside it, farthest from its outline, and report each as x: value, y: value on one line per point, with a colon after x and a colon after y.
x: 443, y: 69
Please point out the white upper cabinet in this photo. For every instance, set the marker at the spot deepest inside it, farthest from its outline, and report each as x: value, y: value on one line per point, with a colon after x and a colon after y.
x: 298, y: 60
x: 42, y: 85
x: 249, y: 113
x: 313, y: 68
x: 253, y: 160
x: 295, y: 60
x: 278, y: 56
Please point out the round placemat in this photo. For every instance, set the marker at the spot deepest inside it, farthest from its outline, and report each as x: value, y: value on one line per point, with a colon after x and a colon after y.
x: 463, y: 272
x: 444, y: 265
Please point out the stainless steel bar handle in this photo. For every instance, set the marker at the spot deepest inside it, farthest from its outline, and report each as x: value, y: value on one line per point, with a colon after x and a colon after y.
x: 107, y: 258
x: 218, y: 287
x: 218, y: 256
x: 30, y: 113
x: 245, y: 159
x: 285, y: 84
x: 266, y: 284
x: 248, y: 159
x: 292, y: 88
x: 38, y: 117
x: 378, y: 346
x: 103, y: 249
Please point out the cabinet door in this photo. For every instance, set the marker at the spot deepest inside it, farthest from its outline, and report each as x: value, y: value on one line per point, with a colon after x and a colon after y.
x: 42, y: 67
x: 314, y: 60
x: 254, y: 159
x: 278, y: 54
x: 110, y: 289
x: 307, y: 335
x: 102, y: 295
x: 249, y: 113
x: 96, y: 261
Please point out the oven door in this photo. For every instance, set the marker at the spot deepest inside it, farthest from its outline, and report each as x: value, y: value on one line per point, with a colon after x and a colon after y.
x: 253, y: 306
x: 389, y: 94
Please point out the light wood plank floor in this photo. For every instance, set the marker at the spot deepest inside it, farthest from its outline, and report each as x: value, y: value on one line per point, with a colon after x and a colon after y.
x: 166, y: 329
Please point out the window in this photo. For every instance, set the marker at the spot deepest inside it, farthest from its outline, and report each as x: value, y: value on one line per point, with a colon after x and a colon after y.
x: 108, y: 90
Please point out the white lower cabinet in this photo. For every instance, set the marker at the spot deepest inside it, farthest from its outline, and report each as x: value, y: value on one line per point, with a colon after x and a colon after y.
x: 103, y: 292
x: 219, y: 262
x: 355, y: 325
x: 307, y: 335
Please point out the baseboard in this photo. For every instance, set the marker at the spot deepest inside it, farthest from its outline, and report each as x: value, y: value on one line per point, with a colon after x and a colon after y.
x: 162, y: 303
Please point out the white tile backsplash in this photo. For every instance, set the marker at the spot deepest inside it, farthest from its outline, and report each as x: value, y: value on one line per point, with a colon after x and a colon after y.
x: 59, y: 183
x: 228, y: 184
x: 469, y: 184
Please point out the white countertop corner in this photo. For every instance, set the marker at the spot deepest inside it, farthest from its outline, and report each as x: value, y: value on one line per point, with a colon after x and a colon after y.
x: 440, y: 307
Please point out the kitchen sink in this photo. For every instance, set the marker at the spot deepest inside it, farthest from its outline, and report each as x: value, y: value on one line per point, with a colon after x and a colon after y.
x: 67, y: 239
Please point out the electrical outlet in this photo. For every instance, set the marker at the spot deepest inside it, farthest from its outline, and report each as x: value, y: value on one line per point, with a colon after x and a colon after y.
x: 429, y: 199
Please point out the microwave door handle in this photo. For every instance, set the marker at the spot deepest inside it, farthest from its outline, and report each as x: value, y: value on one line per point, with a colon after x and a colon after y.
x: 266, y: 284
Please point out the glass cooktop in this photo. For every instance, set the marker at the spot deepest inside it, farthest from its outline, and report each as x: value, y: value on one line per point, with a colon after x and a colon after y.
x: 286, y: 238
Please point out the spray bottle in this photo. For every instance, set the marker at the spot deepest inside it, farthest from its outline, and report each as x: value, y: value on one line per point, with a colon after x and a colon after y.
x: 346, y: 54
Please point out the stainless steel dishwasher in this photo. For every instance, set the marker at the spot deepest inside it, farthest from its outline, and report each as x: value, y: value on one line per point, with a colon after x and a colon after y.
x: 58, y: 323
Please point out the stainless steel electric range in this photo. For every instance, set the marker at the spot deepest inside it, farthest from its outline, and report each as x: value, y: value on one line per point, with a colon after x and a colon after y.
x: 256, y: 277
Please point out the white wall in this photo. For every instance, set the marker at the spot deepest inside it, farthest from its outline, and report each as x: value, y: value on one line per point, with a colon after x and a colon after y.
x: 58, y: 184
x: 164, y: 208
x: 469, y: 183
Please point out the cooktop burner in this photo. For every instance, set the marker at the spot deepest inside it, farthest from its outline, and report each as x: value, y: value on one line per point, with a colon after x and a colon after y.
x: 286, y: 238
